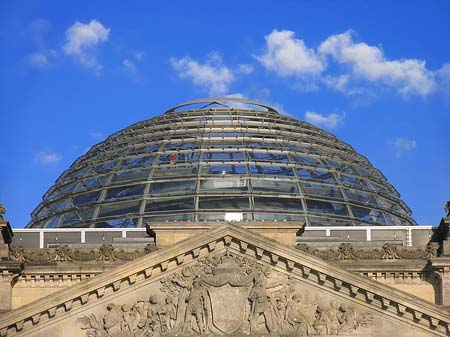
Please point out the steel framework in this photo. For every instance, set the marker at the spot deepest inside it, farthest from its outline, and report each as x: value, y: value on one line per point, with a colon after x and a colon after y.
x: 224, y: 159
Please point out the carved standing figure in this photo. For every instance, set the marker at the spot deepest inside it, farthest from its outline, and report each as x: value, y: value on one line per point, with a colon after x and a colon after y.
x: 197, y: 307
x: 347, y: 318
x: 261, y: 305
x: 295, y: 315
x: 112, y: 321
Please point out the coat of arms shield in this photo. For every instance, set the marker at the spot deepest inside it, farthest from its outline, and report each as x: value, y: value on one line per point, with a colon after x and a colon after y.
x: 228, y: 307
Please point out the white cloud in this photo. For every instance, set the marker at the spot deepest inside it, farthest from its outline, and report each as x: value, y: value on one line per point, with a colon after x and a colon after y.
x: 403, y: 145
x: 47, y: 158
x: 341, y: 83
x: 286, y: 55
x: 139, y: 55
x: 330, y: 121
x: 410, y: 76
x: 37, y: 60
x: 245, y: 69
x: 83, y: 39
x: 129, y: 66
x: 213, y: 76
x: 96, y: 135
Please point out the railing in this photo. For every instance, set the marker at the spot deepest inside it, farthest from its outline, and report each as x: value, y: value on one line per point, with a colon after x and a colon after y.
x: 46, y: 237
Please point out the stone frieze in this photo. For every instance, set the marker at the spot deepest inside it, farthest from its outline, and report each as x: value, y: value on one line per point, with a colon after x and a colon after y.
x: 228, y: 295
x: 63, y: 253
x: 389, y: 251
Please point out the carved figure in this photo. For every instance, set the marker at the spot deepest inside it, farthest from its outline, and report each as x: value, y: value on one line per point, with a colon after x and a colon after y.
x: 112, y: 321
x: 261, y: 305
x: 347, y: 318
x: 295, y: 316
x: 197, y: 307
x: 229, y: 296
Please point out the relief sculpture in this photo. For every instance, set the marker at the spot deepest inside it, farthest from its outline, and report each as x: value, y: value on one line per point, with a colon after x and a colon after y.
x: 228, y: 295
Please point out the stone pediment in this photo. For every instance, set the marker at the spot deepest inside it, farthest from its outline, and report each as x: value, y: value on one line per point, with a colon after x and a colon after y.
x: 228, y: 281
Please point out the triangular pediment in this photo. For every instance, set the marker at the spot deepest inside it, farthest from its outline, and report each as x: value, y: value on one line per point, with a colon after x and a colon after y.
x: 227, y: 281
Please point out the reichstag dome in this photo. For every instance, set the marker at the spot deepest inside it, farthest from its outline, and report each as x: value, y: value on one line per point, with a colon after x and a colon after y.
x: 221, y: 159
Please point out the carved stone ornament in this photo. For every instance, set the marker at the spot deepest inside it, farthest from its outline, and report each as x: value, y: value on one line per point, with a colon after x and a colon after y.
x: 63, y: 253
x: 389, y: 251
x: 228, y: 295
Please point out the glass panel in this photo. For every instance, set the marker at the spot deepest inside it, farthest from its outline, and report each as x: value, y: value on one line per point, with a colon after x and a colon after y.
x: 315, y: 174
x: 119, y: 208
x: 319, y: 221
x: 224, y: 169
x: 321, y: 190
x: 267, y: 156
x: 172, y: 204
x: 302, y: 159
x: 278, y: 217
x: 78, y: 214
x: 275, y: 186
x: 368, y: 214
x: 225, y: 202
x: 223, y: 156
x: 85, y: 198
x: 361, y: 196
x: 222, y: 216
x: 117, y: 223
x: 109, y: 165
x: 276, y: 170
x: 354, y: 181
x: 52, y: 222
x: 136, y: 174
x: 282, y: 204
x: 171, y: 217
x: 326, y: 207
x: 125, y: 191
x: 172, y: 187
x: 174, y: 157
x: 224, y: 184
x: 175, y: 171
x: 93, y: 182
x: 137, y: 161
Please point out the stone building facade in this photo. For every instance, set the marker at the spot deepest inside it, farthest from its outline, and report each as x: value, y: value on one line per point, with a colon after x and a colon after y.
x: 223, y: 221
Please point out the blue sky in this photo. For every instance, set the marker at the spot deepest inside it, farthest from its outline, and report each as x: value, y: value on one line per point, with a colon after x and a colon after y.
x: 376, y: 74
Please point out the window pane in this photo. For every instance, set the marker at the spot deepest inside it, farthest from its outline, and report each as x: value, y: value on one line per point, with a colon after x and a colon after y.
x: 125, y: 191
x: 174, y: 157
x: 136, y: 174
x: 128, y: 207
x: 368, y: 214
x: 224, y: 169
x: 318, y: 221
x: 321, y: 190
x: 271, y: 170
x: 85, y: 198
x: 267, y: 156
x: 172, y: 187
x: 225, y: 202
x: 224, y: 184
x: 326, y: 207
x: 173, y: 204
x: 175, y: 171
x: 282, y: 204
x: 117, y: 223
x: 275, y: 186
x: 170, y: 217
x: 223, y: 156
x: 79, y: 214
x: 278, y: 217
x: 361, y: 196
x: 315, y: 174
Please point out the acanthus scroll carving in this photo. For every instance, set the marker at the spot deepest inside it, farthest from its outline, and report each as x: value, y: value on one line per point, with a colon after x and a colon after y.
x: 228, y: 295
x: 389, y: 251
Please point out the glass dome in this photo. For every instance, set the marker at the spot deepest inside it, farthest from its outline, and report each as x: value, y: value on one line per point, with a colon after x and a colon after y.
x: 221, y: 159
